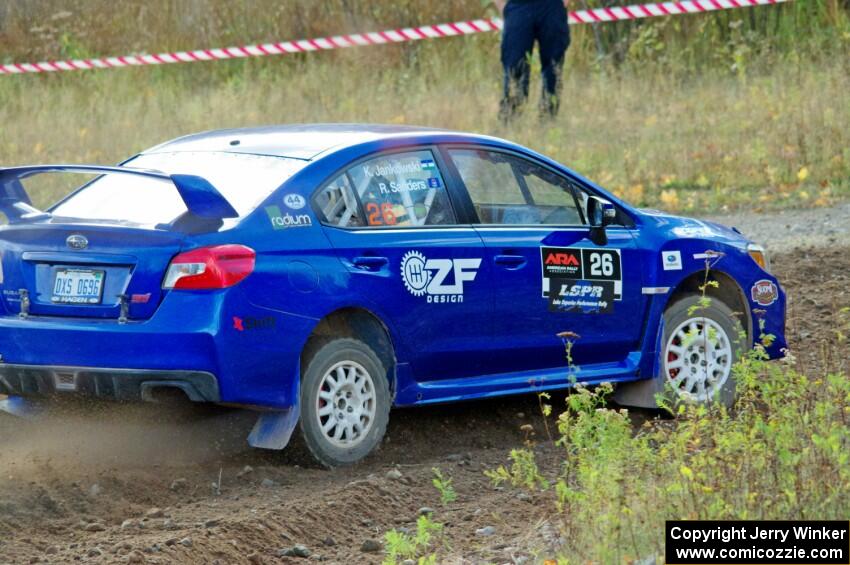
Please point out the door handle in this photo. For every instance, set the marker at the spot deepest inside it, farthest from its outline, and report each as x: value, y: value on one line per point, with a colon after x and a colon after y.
x: 511, y: 261
x: 369, y: 263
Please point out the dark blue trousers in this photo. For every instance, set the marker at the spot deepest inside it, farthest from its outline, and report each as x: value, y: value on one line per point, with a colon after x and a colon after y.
x: 527, y: 21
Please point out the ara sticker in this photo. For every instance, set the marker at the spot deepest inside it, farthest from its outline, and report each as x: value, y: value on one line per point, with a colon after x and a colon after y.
x: 281, y: 221
x: 671, y: 260
x: 764, y: 292
x: 583, y: 280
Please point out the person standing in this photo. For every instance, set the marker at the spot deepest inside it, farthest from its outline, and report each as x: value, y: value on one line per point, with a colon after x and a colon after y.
x: 527, y: 21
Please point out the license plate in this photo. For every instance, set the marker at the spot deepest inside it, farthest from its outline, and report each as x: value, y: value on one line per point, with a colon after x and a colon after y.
x: 78, y: 286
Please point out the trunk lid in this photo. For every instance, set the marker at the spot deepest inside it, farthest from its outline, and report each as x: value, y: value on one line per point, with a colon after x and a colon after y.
x: 82, y: 270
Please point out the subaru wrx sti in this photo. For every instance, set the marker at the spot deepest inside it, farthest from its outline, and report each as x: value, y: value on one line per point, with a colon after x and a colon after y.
x: 323, y: 274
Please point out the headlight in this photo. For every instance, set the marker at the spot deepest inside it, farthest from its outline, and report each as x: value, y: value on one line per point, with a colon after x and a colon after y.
x: 759, y: 255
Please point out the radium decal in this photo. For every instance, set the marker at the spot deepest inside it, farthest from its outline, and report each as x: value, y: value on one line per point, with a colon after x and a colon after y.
x: 282, y: 221
x: 440, y: 281
x: 584, y: 280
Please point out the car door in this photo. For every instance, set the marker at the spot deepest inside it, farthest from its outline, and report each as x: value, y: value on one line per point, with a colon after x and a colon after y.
x: 549, y: 276
x: 390, y: 219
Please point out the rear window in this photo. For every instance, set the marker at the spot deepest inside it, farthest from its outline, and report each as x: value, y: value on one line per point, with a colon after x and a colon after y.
x: 244, y: 180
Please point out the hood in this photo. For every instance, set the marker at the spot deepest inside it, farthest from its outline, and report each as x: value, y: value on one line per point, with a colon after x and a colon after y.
x: 692, y: 228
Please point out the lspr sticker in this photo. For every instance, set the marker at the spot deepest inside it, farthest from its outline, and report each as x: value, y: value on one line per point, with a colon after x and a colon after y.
x: 586, y: 297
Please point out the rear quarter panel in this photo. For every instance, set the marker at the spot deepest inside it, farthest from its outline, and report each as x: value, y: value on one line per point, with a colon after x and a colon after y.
x: 298, y: 280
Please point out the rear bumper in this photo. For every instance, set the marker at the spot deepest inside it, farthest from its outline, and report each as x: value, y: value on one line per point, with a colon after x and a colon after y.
x: 192, y: 333
x: 110, y: 384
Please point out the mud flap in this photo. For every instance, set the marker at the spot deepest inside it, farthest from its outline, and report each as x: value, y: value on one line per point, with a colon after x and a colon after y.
x: 19, y: 407
x: 274, y: 429
x: 641, y: 394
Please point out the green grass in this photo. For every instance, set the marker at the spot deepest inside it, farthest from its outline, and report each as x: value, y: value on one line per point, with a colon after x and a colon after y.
x: 614, y: 487
x: 776, y: 137
x: 50, y: 29
x: 740, y: 109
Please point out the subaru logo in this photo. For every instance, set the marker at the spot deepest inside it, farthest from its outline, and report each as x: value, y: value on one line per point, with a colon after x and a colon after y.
x: 77, y: 242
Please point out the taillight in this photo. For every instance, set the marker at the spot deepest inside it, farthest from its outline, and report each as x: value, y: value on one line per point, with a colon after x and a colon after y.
x: 210, y: 268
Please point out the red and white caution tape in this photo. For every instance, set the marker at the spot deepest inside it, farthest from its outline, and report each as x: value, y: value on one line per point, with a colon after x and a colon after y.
x: 633, y: 12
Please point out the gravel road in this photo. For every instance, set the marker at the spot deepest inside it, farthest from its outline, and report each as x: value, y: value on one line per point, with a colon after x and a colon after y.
x: 793, y: 229
x: 145, y: 484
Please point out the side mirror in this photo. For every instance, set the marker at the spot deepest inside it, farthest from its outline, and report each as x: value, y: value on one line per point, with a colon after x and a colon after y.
x: 599, y: 215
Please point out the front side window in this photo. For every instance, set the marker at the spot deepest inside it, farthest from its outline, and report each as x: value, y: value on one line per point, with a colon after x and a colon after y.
x: 508, y: 190
x: 393, y: 190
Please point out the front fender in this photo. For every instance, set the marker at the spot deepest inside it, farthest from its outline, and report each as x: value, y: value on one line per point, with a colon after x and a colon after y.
x: 760, y: 293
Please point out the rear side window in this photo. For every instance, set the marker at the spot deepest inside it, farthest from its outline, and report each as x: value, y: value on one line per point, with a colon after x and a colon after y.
x: 393, y: 190
x: 338, y: 203
x: 509, y: 190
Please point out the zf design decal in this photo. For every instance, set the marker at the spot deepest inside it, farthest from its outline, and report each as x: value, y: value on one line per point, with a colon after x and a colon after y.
x: 581, y: 280
x: 764, y: 292
x: 439, y: 280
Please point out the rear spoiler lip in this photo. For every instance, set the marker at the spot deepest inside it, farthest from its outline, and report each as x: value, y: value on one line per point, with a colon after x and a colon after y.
x: 201, y: 198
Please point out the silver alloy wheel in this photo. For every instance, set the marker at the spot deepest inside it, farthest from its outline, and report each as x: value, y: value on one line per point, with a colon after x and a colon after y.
x: 346, y: 404
x: 698, y: 359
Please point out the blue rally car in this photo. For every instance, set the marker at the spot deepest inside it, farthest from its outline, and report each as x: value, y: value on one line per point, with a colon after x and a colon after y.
x: 322, y: 274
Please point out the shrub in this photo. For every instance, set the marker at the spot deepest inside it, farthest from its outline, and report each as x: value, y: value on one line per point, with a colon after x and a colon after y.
x: 781, y: 453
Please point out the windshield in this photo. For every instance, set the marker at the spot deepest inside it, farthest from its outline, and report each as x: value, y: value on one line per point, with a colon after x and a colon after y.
x: 244, y: 180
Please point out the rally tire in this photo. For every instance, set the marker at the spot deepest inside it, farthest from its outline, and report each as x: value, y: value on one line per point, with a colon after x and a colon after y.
x: 345, y: 402
x: 699, y: 348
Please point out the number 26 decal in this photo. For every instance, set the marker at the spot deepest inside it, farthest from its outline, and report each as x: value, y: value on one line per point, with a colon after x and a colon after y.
x: 601, y: 265
x: 383, y: 216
